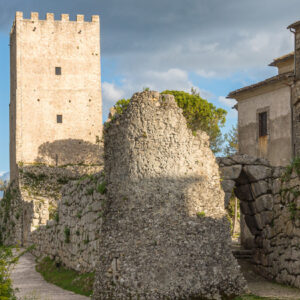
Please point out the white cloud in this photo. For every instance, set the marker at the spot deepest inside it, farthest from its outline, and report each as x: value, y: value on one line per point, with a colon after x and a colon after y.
x: 227, y: 102
x: 171, y: 79
x: 206, y: 74
x: 111, y: 93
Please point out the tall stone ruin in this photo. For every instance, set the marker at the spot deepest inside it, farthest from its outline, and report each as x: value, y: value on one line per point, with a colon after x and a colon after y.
x: 165, y: 234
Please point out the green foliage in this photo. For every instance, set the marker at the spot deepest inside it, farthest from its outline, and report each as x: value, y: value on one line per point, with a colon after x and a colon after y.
x: 63, y: 180
x: 52, y: 209
x: 6, y: 260
x: 293, y: 166
x: 35, y: 177
x: 3, y: 185
x: 200, y: 214
x: 201, y: 115
x: 87, y: 240
x: 121, y: 105
x: 231, y: 140
x: 56, y: 217
x: 287, y: 191
x: 90, y: 191
x: 6, y: 205
x: 67, y: 234
x: 253, y: 297
x: 101, y: 188
x: 67, y: 279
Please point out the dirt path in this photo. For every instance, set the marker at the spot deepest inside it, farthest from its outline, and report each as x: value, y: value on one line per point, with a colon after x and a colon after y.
x: 261, y: 287
x: 32, y: 286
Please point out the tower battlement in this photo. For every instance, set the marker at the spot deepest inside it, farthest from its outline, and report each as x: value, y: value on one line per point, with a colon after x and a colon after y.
x: 34, y: 16
x: 50, y: 17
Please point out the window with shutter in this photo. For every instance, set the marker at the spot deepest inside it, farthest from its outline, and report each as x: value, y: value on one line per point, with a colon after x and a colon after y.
x: 263, y: 124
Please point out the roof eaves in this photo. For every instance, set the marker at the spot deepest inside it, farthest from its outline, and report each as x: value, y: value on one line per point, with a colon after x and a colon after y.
x: 267, y: 81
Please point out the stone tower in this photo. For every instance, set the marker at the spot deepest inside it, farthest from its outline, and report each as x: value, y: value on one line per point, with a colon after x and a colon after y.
x: 55, y: 102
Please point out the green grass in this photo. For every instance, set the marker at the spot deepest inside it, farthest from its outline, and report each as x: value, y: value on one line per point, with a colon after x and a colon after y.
x: 252, y: 297
x: 65, y: 278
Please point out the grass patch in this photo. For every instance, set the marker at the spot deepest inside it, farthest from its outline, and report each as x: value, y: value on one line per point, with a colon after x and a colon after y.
x: 253, y: 297
x: 67, y: 279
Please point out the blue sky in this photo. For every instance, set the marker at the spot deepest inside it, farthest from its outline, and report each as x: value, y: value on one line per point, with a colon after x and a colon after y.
x: 215, y: 46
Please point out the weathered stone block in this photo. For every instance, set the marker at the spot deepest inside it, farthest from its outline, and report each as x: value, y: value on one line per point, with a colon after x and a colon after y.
x: 231, y: 173
x: 243, y: 159
x: 259, y: 188
x: 248, y: 208
x: 257, y: 172
x: 264, y: 202
x: 228, y: 185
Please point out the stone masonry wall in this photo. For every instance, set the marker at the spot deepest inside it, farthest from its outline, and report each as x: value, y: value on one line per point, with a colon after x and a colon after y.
x: 270, y: 202
x: 165, y: 234
x: 74, y: 236
x: 39, y: 93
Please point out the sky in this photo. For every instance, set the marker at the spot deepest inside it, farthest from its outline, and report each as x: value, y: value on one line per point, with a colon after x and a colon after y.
x: 215, y: 46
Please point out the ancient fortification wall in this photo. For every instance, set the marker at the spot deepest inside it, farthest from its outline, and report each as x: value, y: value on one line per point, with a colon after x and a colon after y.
x: 33, y: 197
x: 56, y: 105
x: 165, y: 234
x: 270, y: 203
x: 73, y: 237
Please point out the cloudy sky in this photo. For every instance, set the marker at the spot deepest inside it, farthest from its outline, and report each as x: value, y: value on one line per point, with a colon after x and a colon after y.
x: 215, y: 46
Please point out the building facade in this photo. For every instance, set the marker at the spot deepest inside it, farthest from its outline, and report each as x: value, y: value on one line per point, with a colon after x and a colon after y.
x: 55, y: 102
x: 269, y: 111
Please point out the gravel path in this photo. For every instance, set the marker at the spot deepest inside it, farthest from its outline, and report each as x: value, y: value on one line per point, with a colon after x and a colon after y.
x: 32, y: 286
x: 261, y: 287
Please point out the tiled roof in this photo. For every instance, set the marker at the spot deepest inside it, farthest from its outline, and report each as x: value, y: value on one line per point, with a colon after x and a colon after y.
x: 282, y: 59
x: 270, y: 80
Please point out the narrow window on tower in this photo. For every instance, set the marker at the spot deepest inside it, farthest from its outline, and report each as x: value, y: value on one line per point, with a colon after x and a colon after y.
x: 263, y: 124
x: 59, y: 118
x: 57, y: 70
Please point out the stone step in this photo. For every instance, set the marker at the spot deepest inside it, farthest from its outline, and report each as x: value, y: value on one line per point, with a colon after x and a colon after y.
x: 242, y: 254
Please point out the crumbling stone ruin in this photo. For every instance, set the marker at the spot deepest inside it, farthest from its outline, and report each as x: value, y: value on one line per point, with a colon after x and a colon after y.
x: 32, y: 199
x: 165, y: 234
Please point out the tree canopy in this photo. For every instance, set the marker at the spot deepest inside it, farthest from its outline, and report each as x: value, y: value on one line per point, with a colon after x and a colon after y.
x: 199, y: 114
x: 231, y: 138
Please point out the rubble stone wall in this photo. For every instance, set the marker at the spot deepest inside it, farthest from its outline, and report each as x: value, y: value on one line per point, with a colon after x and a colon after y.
x: 74, y: 236
x: 165, y: 234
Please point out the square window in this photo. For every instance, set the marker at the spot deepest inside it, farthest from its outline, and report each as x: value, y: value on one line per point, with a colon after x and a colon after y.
x: 59, y: 118
x: 263, y: 124
x: 57, y: 70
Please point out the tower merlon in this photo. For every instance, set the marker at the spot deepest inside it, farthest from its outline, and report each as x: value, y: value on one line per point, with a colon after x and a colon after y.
x: 80, y: 18
x: 34, y: 16
x: 95, y: 18
x: 19, y: 15
x: 50, y: 17
x: 65, y: 17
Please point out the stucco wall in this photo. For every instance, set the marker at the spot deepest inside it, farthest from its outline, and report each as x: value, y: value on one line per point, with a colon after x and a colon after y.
x: 41, y: 95
x: 278, y: 148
